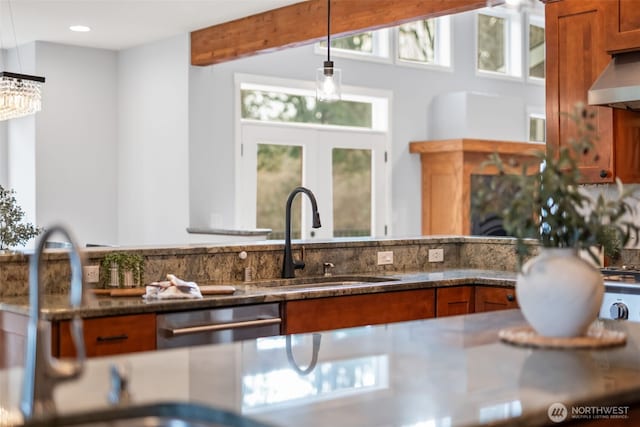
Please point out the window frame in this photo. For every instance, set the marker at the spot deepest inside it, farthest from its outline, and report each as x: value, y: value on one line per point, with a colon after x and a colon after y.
x: 381, y: 40
x: 381, y: 113
x: 538, y: 21
x: 513, y: 43
x: 536, y: 113
x: 443, y: 47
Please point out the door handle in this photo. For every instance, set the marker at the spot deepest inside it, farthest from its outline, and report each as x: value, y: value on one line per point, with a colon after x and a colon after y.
x: 216, y: 327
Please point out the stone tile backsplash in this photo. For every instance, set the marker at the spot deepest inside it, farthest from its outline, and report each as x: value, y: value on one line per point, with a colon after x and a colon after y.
x: 222, y: 264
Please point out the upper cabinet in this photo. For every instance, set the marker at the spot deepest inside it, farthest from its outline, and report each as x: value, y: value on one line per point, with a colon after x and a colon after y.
x: 623, y: 25
x: 576, y: 38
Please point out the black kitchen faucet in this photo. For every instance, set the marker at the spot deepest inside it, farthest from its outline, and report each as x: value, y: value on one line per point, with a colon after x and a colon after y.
x: 289, y: 265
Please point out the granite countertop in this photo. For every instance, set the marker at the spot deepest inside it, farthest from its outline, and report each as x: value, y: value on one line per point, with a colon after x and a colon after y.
x: 55, y: 307
x: 449, y: 371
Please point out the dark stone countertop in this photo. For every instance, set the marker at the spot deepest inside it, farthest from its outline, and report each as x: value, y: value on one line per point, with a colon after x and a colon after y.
x: 55, y: 307
x: 450, y: 371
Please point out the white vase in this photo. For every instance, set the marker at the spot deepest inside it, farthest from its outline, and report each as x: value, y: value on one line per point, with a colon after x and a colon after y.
x: 559, y: 293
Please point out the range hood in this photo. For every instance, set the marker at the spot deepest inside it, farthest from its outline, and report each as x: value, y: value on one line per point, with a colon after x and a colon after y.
x: 619, y: 84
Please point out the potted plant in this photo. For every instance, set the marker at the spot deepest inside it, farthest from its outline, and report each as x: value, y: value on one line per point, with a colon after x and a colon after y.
x: 560, y: 293
x: 122, y: 269
x: 13, y: 232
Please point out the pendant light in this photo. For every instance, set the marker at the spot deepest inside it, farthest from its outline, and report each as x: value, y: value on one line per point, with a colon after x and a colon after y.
x: 20, y: 94
x: 328, y: 78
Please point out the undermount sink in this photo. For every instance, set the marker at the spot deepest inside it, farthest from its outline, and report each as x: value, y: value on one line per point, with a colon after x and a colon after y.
x: 324, y: 281
x: 152, y: 415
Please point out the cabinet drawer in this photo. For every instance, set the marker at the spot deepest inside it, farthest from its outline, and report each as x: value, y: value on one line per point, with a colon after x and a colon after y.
x: 358, y: 310
x: 490, y: 299
x: 111, y: 335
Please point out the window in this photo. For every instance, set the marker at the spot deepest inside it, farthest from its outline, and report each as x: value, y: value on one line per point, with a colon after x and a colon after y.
x: 498, y: 42
x: 537, y: 128
x: 277, y: 105
x: 536, y: 53
x: 427, y: 41
x: 368, y: 45
x: 338, y: 150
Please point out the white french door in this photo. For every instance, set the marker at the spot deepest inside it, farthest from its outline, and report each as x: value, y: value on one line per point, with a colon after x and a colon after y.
x: 345, y: 169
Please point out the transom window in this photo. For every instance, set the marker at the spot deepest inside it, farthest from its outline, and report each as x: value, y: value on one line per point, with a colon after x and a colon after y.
x: 427, y: 41
x: 499, y: 42
x: 536, y: 53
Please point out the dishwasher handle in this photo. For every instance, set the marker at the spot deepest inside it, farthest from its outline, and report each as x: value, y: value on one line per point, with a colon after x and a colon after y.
x: 217, y: 327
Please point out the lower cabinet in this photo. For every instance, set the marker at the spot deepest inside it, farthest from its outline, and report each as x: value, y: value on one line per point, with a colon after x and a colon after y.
x: 489, y: 298
x: 455, y: 300
x: 358, y: 310
x: 105, y: 336
x: 13, y: 335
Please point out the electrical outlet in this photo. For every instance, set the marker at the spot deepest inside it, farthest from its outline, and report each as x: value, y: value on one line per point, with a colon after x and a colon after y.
x: 385, y: 258
x: 436, y: 255
x: 91, y: 273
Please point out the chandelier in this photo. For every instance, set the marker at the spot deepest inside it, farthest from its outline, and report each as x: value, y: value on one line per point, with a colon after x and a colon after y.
x: 19, y: 95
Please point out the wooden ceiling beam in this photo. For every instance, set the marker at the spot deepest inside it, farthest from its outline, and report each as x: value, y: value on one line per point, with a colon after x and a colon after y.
x: 306, y: 22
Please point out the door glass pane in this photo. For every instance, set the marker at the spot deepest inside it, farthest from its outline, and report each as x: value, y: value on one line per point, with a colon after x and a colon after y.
x: 279, y: 172
x: 536, y: 51
x: 491, y: 43
x: 351, y: 192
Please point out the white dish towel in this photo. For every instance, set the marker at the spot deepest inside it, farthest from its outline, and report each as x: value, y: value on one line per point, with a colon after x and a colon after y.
x: 172, y: 288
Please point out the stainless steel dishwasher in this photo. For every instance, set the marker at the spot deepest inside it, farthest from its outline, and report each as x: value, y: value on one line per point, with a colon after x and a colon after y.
x: 218, y: 325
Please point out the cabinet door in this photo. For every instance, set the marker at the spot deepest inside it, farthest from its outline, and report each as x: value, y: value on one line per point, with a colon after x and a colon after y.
x: 358, y: 310
x: 490, y: 299
x: 623, y: 25
x: 13, y: 334
x: 576, y: 56
x: 455, y: 300
x: 111, y: 335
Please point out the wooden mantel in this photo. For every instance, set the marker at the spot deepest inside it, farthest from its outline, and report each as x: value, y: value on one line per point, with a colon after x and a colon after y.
x: 306, y: 22
x: 447, y: 166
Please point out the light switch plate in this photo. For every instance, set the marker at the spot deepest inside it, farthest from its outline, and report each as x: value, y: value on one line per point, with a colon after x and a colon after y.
x: 436, y: 255
x: 385, y: 258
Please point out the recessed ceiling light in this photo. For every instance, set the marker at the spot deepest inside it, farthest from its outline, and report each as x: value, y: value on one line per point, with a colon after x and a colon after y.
x: 79, y: 28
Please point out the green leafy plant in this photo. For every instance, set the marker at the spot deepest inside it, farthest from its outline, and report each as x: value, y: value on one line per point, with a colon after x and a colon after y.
x: 13, y: 232
x: 551, y: 206
x: 124, y: 261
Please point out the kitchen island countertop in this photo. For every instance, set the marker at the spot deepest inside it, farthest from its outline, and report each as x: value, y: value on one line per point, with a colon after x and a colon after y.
x: 55, y: 307
x: 451, y: 371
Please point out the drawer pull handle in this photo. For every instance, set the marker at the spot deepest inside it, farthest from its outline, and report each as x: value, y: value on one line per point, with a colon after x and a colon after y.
x: 222, y: 326
x: 120, y: 337
x: 604, y: 173
x: 510, y: 298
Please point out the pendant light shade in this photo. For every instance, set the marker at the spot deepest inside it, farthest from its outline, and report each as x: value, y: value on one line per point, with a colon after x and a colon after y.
x: 328, y: 78
x: 20, y: 95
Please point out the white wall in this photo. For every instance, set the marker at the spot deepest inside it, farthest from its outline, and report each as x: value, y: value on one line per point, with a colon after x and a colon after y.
x: 413, y: 90
x: 153, y: 138
x: 76, y: 141
x: 4, y: 154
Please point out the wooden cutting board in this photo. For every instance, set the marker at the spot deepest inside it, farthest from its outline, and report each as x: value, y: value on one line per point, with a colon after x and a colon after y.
x: 136, y: 292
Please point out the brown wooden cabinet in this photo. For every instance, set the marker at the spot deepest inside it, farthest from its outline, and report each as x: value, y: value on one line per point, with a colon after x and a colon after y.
x: 578, y: 35
x: 576, y: 56
x: 110, y: 335
x: 452, y: 301
x: 358, y: 310
x: 490, y: 298
x: 447, y: 170
x: 622, y: 25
